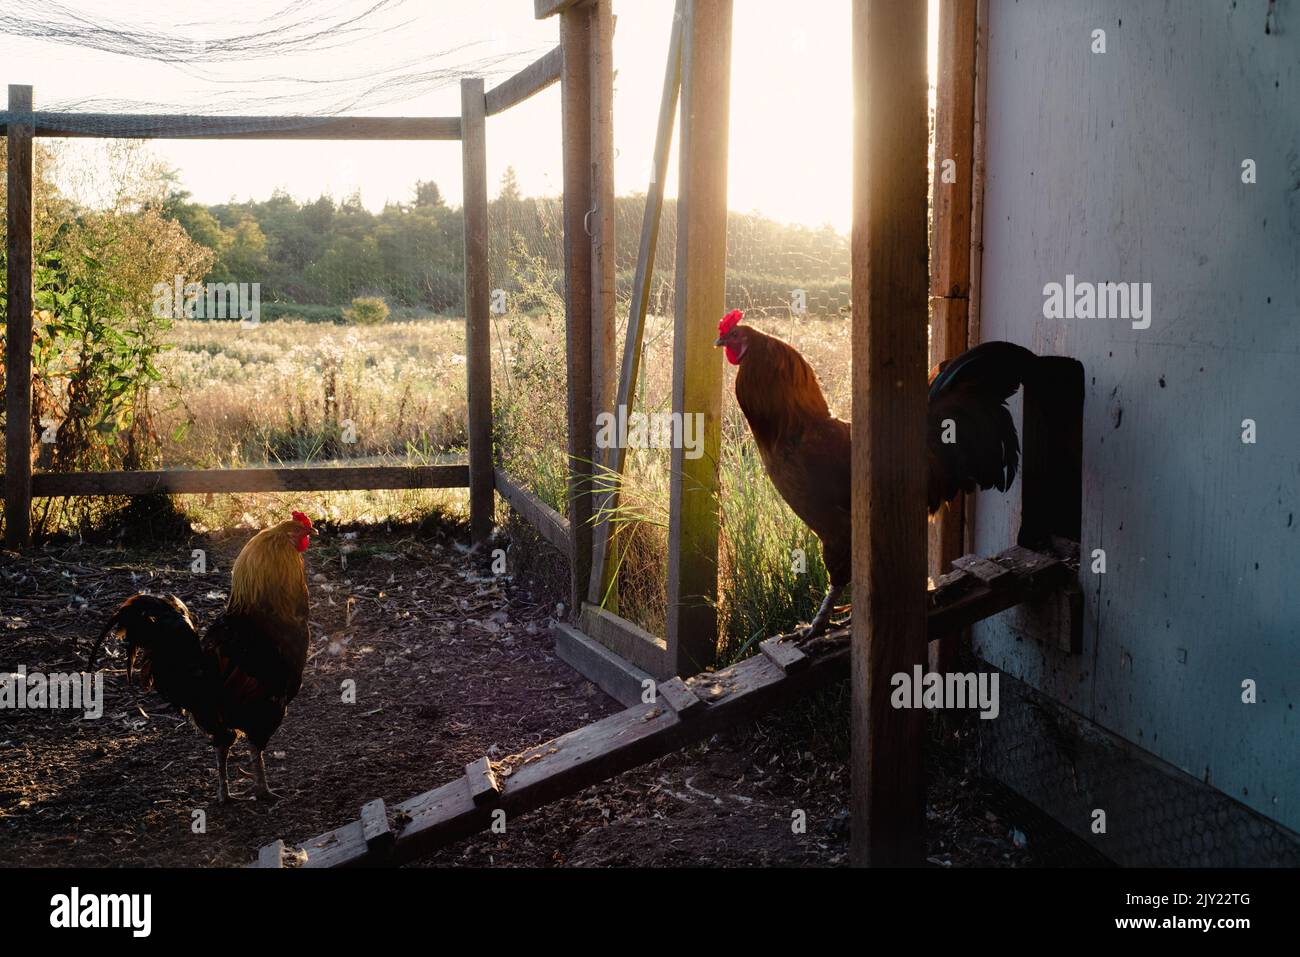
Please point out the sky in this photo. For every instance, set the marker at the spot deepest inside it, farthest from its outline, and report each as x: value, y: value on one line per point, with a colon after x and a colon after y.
x: 791, y: 111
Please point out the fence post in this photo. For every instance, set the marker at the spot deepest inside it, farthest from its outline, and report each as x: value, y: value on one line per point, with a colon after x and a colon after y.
x: 954, y: 135
x: 604, y: 343
x: 478, y: 356
x: 889, y: 289
x: 697, y: 365
x: 18, y: 324
x: 575, y: 99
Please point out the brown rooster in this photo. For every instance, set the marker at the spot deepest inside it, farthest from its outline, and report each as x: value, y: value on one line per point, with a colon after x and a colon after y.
x: 244, y: 672
x: 970, y: 442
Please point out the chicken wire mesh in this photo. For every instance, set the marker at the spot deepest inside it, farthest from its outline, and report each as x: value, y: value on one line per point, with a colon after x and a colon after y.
x: 219, y: 303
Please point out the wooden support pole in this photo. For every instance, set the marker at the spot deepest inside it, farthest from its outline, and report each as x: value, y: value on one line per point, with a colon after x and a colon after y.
x: 18, y: 329
x: 529, y: 81
x: 603, y: 554
x: 950, y: 247
x: 600, y: 221
x: 889, y: 421
x: 600, y: 224
x: 575, y: 105
x: 478, y: 345
x: 700, y: 302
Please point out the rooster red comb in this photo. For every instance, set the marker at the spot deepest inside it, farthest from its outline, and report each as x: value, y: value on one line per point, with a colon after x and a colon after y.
x: 302, y: 519
x: 728, y: 322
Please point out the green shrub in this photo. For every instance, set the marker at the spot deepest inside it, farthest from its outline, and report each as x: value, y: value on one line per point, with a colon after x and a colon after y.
x: 366, y: 311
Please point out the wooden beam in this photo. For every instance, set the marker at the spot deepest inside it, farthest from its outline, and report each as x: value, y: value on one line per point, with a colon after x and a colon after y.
x: 187, y: 127
x: 550, y: 524
x: 889, y: 426
x: 478, y: 328
x: 203, y: 481
x: 978, y: 152
x: 700, y: 302
x: 683, y: 711
x: 951, y: 251
x: 600, y: 219
x: 483, y: 784
x: 603, y: 560
x: 18, y: 326
x: 548, y: 8
x: 627, y: 640
x: 532, y: 79
x: 575, y: 82
x: 375, y: 829
x: 271, y: 855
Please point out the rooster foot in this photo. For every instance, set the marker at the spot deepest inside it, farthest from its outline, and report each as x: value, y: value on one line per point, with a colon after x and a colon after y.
x: 813, y: 630
x: 266, y: 794
x: 227, y: 799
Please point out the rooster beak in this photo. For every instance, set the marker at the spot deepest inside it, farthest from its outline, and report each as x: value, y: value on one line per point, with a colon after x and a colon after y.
x: 717, y: 341
x: 313, y: 531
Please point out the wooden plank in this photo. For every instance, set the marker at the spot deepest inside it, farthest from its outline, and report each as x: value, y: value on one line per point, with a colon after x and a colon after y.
x: 888, y: 255
x: 616, y: 676
x: 600, y: 218
x: 784, y: 654
x: 575, y: 83
x: 951, y: 584
x: 951, y: 252
x: 700, y: 301
x: 677, y: 695
x: 202, y: 481
x: 183, y: 127
x: 529, y: 81
x: 639, y: 734
x: 548, y: 8
x: 600, y: 225
x: 627, y: 640
x: 990, y: 573
x: 550, y: 524
x: 271, y: 855
x: 482, y: 780
x: 18, y: 326
x: 374, y: 825
x: 478, y: 329
x: 603, y: 559
x: 978, y: 152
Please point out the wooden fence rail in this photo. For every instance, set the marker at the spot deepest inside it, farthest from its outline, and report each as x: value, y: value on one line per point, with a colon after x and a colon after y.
x: 298, y: 479
x: 165, y: 126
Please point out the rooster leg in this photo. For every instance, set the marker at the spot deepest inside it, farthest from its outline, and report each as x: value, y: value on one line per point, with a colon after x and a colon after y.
x: 223, y: 786
x: 264, y: 793
x: 823, y: 618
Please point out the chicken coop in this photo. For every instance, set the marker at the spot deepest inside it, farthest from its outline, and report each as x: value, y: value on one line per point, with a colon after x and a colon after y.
x: 1128, y: 143
x: 1114, y: 186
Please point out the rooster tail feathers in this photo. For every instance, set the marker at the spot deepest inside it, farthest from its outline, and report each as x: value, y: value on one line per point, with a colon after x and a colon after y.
x: 149, y: 623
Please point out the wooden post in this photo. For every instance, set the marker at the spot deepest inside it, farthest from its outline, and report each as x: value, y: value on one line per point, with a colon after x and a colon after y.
x: 600, y: 223
x: 18, y: 330
x: 889, y: 422
x: 575, y: 99
x: 980, y: 138
x: 603, y: 563
x: 950, y: 244
x: 697, y: 367
x: 478, y: 356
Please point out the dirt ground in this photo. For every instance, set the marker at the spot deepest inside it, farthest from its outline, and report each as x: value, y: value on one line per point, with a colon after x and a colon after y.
x: 449, y: 663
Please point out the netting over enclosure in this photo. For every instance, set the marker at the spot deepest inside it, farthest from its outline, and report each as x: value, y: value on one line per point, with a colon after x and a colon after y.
x: 217, y: 303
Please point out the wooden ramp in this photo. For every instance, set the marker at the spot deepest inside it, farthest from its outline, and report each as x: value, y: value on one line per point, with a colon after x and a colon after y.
x: 683, y: 711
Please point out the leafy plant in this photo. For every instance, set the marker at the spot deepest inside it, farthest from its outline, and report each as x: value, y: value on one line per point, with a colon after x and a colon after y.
x: 366, y: 311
